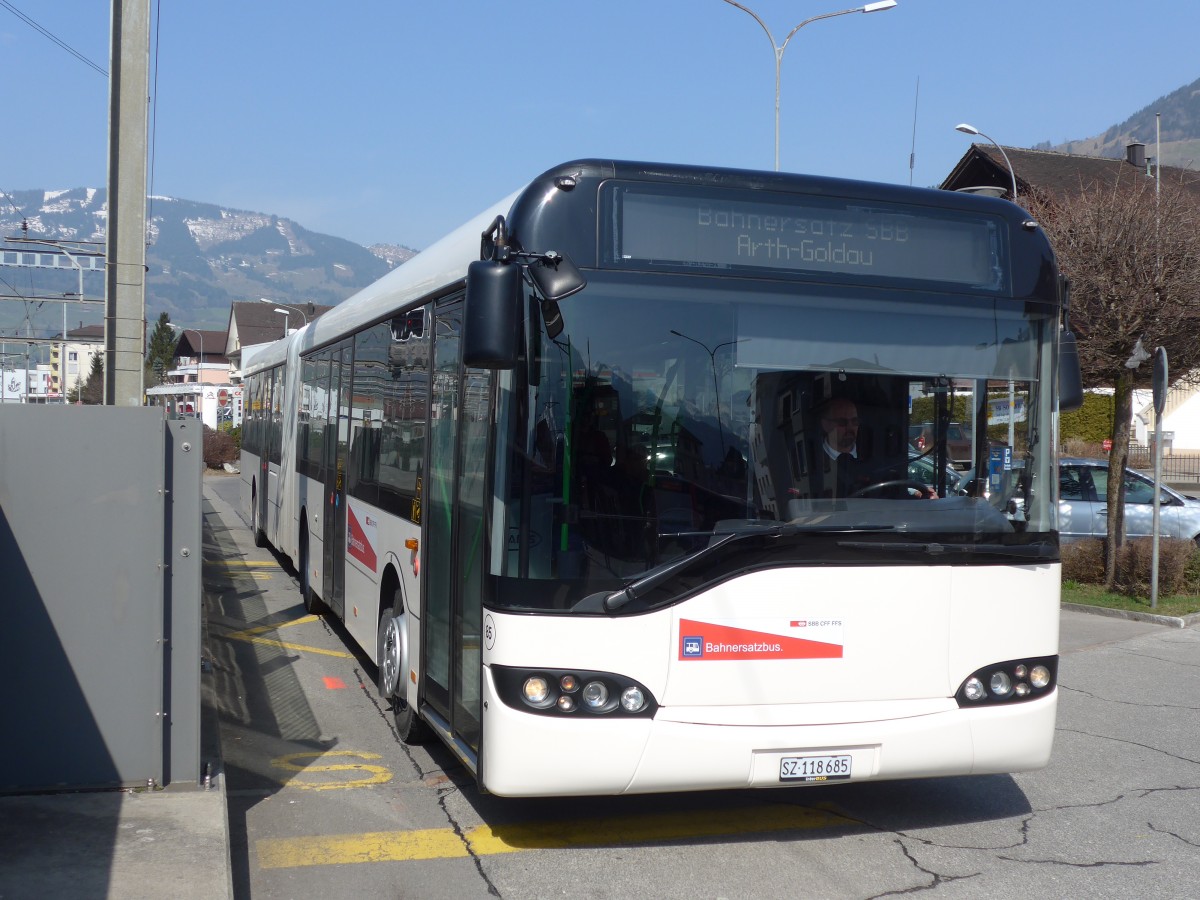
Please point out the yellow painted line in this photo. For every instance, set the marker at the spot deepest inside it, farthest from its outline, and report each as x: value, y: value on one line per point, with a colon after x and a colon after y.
x: 242, y: 563
x: 251, y: 636
x: 488, y: 840
x: 366, y: 774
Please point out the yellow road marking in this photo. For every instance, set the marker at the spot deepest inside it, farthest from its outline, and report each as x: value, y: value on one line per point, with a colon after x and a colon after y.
x: 487, y: 840
x: 376, y: 774
x: 235, y: 567
x: 242, y: 563
x: 251, y: 636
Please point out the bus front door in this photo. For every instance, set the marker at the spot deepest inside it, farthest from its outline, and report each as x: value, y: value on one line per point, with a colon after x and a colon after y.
x: 337, y: 433
x: 455, y: 536
x: 266, y: 431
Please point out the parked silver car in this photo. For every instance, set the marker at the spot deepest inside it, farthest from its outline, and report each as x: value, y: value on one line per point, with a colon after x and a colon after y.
x: 1083, y: 510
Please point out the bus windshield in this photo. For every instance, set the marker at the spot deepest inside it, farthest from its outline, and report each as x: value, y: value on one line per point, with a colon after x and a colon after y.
x: 667, y: 416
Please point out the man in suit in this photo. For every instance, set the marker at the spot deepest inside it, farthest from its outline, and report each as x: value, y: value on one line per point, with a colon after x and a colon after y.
x: 837, y: 462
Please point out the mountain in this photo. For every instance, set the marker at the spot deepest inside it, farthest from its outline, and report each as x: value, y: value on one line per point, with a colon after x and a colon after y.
x: 200, y: 258
x: 1180, y: 131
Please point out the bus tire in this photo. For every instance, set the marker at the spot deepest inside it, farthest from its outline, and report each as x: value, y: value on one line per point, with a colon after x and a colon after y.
x: 312, y: 603
x: 260, y: 536
x: 392, y: 661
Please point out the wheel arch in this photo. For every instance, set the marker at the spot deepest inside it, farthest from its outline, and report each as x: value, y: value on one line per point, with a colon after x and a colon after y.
x: 389, y: 583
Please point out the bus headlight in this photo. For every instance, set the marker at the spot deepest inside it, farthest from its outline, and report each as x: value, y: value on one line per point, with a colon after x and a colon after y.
x: 558, y: 692
x: 1013, y: 681
x: 632, y: 699
x: 595, y: 694
x: 1001, y: 684
x: 536, y: 690
x: 973, y: 689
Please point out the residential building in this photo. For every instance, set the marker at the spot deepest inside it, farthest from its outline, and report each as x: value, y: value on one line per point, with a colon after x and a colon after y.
x: 71, y: 360
x: 1060, y: 176
x: 255, y: 324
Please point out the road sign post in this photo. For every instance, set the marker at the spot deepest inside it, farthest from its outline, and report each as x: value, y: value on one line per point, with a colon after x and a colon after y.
x: 1160, y: 399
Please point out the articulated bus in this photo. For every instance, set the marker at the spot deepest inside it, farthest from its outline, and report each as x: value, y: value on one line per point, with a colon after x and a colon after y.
x: 616, y: 482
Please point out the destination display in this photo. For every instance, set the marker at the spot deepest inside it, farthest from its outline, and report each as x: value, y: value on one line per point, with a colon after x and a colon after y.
x: 689, y: 228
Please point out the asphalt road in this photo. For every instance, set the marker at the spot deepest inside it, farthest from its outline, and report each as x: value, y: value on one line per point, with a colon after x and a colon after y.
x: 324, y: 801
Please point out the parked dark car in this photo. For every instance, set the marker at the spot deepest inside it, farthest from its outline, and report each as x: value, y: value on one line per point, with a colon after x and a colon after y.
x: 1083, y: 507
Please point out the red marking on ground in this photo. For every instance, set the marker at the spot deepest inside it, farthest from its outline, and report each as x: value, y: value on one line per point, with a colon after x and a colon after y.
x: 334, y: 684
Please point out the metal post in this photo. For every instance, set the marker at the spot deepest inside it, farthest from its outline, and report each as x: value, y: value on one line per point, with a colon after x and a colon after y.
x: 62, y: 354
x: 777, y: 49
x: 971, y: 129
x: 284, y: 313
x: 125, y: 280
x: 1160, y: 398
x: 1012, y: 413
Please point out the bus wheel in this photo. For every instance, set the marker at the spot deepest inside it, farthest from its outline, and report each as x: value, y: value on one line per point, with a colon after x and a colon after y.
x: 392, y: 658
x: 312, y: 603
x: 260, y: 537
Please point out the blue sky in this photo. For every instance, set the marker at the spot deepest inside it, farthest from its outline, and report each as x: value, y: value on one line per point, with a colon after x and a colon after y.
x: 395, y: 121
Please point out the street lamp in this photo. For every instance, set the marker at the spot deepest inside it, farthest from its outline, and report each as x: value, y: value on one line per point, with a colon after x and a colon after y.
x: 778, y: 49
x: 295, y: 309
x: 712, y: 356
x: 285, y: 313
x: 972, y: 130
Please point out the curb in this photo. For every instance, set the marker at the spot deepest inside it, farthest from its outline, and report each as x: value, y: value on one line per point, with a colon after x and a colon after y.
x: 212, y: 777
x: 1170, y: 621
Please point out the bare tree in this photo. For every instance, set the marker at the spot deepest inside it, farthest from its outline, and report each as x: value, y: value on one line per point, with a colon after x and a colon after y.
x: 1133, y: 256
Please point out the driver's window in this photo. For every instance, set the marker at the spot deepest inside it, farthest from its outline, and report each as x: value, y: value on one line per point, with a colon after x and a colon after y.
x: 1072, y: 485
x: 1137, y: 490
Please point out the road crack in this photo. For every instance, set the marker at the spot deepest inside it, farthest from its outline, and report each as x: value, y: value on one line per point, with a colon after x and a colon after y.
x: 937, y: 879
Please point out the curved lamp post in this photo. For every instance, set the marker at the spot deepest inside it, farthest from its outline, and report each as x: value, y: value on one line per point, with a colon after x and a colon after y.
x: 712, y: 356
x: 285, y: 312
x: 972, y: 130
x: 778, y: 49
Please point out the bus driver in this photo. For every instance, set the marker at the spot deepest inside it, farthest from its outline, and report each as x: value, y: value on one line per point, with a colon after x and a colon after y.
x: 838, y: 462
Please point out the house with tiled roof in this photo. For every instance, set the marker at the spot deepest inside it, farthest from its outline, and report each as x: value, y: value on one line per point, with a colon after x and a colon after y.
x: 200, y: 357
x: 264, y: 322
x: 985, y: 168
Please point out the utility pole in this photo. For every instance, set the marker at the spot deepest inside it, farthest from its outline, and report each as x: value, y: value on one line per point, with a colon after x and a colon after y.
x: 125, y: 281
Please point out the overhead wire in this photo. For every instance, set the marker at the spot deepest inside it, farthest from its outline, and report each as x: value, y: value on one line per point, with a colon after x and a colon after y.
x: 53, y: 37
x: 79, y: 56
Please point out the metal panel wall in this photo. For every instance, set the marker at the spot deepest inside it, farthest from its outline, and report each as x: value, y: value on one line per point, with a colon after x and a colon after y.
x: 99, y: 652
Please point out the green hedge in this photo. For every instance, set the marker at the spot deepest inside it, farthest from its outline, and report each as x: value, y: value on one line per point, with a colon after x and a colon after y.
x: 1092, y: 422
x: 923, y: 409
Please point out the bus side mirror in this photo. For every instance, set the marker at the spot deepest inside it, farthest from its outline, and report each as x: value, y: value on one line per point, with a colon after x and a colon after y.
x: 556, y: 277
x: 1070, y: 378
x: 493, y: 315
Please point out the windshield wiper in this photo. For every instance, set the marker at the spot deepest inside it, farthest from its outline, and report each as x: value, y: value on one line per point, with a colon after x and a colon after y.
x: 1036, y: 550
x: 739, y: 531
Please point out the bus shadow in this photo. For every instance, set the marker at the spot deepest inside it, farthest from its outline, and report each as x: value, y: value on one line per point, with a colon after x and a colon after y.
x: 263, y: 712
x: 797, y: 814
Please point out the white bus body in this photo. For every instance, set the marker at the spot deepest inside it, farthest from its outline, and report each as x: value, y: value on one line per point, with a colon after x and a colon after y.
x: 678, y: 603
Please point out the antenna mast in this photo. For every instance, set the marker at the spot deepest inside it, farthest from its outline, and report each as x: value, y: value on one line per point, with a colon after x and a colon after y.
x: 912, y: 156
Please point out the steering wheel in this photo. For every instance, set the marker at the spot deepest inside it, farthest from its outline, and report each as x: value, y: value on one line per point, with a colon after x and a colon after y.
x: 879, y: 487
